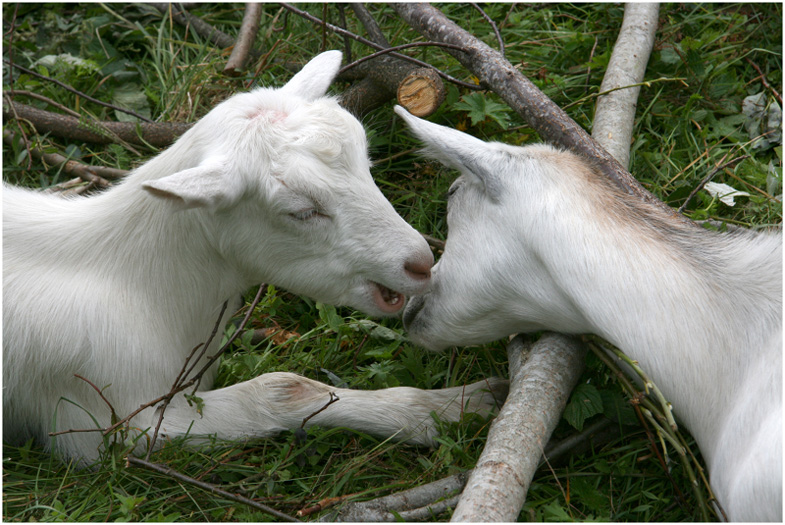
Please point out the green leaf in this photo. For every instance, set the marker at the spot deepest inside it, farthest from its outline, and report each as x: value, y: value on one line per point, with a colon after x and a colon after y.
x: 585, y: 402
x: 480, y: 108
x: 329, y: 315
x: 130, y: 96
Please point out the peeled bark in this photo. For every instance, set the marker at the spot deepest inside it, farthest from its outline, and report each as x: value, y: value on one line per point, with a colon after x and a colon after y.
x: 614, y: 115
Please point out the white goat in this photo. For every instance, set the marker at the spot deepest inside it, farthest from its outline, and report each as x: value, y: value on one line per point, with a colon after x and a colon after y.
x: 539, y: 240
x: 270, y: 186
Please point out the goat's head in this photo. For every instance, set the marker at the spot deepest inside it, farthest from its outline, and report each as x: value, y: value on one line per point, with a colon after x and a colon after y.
x: 281, y: 178
x: 494, y: 276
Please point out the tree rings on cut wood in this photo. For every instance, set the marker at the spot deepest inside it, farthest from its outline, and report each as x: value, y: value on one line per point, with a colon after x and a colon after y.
x: 421, y: 92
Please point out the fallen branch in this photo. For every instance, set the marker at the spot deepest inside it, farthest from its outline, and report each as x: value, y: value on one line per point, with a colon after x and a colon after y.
x: 163, y: 469
x: 614, y: 114
x: 418, y: 503
x: 157, y: 134
x: 241, y: 51
x: 95, y: 175
x: 540, y: 386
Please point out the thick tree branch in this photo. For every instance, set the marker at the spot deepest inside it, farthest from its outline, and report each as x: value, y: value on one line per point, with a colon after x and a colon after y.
x: 540, y: 386
x: 614, y: 115
x: 158, y: 134
x: 494, y: 71
x: 245, y: 39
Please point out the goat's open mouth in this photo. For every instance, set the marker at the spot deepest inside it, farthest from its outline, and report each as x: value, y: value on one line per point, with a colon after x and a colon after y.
x: 389, y: 301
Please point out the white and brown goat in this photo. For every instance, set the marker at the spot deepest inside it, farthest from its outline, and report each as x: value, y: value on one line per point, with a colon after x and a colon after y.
x: 539, y: 240
x: 270, y: 186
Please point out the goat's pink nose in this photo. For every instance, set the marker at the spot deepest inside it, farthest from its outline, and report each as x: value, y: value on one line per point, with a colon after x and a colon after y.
x: 419, y: 270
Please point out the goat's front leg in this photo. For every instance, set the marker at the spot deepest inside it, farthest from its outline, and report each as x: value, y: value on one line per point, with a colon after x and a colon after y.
x: 271, y: 403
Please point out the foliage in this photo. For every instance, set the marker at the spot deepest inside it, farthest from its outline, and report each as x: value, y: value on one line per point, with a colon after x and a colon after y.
x: 690, y: 119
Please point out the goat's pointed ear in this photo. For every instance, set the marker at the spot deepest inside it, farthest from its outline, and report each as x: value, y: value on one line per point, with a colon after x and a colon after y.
x: 314, y: 79
x: 455, y: 149
x: 205, y: 186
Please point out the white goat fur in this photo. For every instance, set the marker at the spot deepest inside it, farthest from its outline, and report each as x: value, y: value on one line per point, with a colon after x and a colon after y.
x: 270, y: 186
x: 538, y: 240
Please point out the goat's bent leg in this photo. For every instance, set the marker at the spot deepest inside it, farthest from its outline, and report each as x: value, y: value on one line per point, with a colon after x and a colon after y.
x: 271, y: 403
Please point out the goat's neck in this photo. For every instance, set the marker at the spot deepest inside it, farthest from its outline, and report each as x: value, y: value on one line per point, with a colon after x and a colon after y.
x: 168, y: 258
x: 691, y: 309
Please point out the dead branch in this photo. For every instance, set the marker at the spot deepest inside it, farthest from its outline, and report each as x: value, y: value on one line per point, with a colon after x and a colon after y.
x: 615, y: 112
x: 157, y: 134
x: 95, y: 175
x: 542, y: 114
x: 417, y: 503
x: 245, y: 40
x: 199, y: 26
x: 162, y: 469
x: 540, y: 386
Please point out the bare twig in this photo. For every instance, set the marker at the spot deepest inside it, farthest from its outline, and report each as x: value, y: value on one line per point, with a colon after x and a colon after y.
x: 42, y: 98
x: 333, y: 398
x: 392, y: 50
x: 96, y: 175
x: 493, y: 26
x: 245, y: 40
x: 162, y: 469
x: 708, y: 177
x: 77, y: 92
x: 374, y: 45
x: 764, y: 81
x: 200, y: 27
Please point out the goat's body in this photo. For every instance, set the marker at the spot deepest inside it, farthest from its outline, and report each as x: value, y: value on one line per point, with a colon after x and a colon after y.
x: 270, y: 186
x: 540, y: 241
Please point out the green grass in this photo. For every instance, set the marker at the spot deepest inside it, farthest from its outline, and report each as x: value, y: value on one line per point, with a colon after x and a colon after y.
x: 703, y: 66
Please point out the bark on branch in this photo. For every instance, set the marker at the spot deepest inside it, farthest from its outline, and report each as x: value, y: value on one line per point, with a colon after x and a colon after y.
x: 614, y: 115
x: 245, y: 39
x: 540, y: 386
x: 420, y: 90
x: 548, y: 119
x: 158, y: 134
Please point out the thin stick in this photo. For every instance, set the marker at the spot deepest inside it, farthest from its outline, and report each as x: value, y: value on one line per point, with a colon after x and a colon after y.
x: 495, y: 29
x: 708, y: 177
x: 376, y: 46
x: 397, y: 48
x: 162, y: 469
x: 333, y: 398
x: 77, y: 92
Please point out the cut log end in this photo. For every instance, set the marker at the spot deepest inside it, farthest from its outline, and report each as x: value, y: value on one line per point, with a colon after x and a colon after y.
x: 421, y: 92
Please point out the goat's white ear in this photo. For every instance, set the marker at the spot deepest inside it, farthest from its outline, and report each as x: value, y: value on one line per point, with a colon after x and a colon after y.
x: 314, y: 79
x: 455, y: 149
x: 205, y: 186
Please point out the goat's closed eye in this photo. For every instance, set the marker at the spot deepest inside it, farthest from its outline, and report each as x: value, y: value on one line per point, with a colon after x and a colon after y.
x: 307, y: 214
